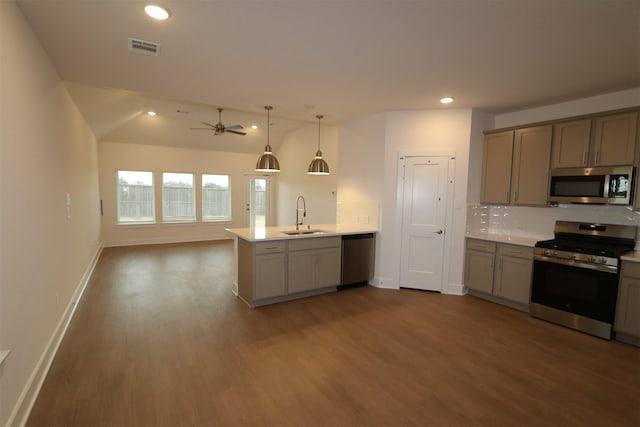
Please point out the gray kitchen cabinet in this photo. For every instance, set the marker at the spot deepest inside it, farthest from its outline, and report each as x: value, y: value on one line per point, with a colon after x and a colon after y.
x: 499, y: 272
x: 612, y: 143
x: 636, y: 163
x: 314, y: 263
x: 570, y: 148
x: 513, y: 273
x: 530, y: 172
x: 497, y: 156
x: 261, y: 270
x: 515, y: 167
x: 627, y: 323
x: 478, y: 268
x: 614, y: 139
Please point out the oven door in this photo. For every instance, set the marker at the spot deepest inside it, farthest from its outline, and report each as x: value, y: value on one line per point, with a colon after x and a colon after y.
x: 582, y: 291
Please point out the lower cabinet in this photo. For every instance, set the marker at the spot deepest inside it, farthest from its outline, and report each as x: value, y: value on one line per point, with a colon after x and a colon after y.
x: 627, y: 323
x: 314, y: 264
x: 270, y: 278
x: 499, y: 272
x: 275, y: 271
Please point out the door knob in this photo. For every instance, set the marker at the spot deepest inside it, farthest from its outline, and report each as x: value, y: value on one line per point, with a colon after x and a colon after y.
x: 438, y: 232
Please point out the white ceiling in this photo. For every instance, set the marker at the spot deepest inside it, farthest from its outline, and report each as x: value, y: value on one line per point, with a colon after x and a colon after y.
x: 343, y: 59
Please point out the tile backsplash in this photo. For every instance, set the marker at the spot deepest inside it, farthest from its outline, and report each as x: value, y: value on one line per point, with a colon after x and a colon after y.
x: 538, y: 222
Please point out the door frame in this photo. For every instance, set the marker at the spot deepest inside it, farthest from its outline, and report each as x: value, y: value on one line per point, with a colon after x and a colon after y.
x: 269, y: 213
x: 451, y: 173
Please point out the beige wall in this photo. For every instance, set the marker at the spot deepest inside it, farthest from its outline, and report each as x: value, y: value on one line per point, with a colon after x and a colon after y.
x: 46, y: 248
x: 295, y: 153
x: 369, y: 150
x: 158, y: 159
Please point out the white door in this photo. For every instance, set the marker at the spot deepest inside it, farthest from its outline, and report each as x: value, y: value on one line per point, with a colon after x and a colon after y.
x: 257, y: 201
x: 424, y: 204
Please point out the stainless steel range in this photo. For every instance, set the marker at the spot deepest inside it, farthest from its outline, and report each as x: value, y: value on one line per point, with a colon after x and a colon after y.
x: 575, y: 275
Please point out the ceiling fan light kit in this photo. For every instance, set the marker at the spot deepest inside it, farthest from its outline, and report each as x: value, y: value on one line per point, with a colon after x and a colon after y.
x: 268, y: 162
x: 318, y: 165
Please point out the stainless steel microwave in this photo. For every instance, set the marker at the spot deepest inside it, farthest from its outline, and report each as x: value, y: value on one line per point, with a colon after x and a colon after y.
x: 605, y: 185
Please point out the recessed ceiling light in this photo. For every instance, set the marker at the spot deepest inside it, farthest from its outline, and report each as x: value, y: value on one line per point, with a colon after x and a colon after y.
x: 254, y: 126
x: 446, y: 100
x: 151, y: 113
x: 156, y: 12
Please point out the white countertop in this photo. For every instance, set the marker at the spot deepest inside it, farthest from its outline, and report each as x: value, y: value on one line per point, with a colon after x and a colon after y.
x: 631, y: 256
x: 257, y: 234
x: 506, y: 238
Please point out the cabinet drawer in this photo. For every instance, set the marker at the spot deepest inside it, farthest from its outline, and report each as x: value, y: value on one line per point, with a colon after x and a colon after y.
x: 515, y: 250
x: 481, y: 245
x: 315, y: 243
x: 631, y: 269
x: 269, y: 247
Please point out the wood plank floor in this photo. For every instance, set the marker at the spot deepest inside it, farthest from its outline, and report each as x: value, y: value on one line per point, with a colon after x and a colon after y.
x: 159, y: 340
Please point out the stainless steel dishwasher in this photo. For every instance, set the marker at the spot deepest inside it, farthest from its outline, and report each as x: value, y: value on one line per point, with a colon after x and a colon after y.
x: 358, y: 251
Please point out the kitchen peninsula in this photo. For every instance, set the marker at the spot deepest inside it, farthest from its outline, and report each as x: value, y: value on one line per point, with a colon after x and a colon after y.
x: 276, y: 264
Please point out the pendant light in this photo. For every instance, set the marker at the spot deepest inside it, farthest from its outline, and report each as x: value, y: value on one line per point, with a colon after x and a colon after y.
x: 268, y: 162
x: 318, y: 166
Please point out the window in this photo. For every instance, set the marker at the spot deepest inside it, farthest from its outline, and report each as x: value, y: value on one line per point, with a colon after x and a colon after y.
x: 178, y: 197
x: 135, y: 197
x: 216, y: 198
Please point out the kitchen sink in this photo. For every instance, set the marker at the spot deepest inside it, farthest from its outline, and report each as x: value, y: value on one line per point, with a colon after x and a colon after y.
x: 302, y: 232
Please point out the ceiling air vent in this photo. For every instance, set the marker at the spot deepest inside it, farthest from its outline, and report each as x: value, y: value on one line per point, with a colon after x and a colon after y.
x: 144, y: 47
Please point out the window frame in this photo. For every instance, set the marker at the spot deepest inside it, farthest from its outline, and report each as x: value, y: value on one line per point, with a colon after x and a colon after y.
x: 147, y: 220
x: 216, y: 219
x: 170, y: 219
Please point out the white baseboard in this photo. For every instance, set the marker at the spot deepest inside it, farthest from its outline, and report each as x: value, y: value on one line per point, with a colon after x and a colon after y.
x: 454, y: 289
x: 384, y: 283
x: 162, y: 241
x: 27, y: 398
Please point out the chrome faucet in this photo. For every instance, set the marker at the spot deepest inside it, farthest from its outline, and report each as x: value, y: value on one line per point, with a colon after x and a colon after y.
x: 299, y: 221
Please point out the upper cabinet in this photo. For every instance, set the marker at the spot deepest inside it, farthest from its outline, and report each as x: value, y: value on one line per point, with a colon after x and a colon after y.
x: 614, y: 139
x: 497, y: 156
x: 515, y: 166
x: 571, y: 144
x: 530, y: 173
x: 612, y: 143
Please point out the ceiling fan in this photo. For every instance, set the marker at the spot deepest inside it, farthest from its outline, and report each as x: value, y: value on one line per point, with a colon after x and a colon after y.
x: 219, y: 128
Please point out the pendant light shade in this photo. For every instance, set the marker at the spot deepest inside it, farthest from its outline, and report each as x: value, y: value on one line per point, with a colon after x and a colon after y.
x: 268, y: 162
x: 318, y: 165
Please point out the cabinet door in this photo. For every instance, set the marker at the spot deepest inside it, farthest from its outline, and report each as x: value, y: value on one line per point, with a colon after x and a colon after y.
x: 478, y: 271
x: 530, y: 174
x: 496, y: 168
x: 302, y: 271
x: 615, y: 139
x: 328, y: 262
x: 270, y: 280
x: 628, y: 308
x: 513, y: 279
x: 571, y: 144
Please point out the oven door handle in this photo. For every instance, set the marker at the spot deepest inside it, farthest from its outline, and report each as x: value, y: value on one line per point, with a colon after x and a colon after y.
x: 573, y: 263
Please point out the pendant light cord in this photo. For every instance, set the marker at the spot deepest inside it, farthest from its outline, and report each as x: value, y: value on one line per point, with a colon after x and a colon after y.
x: 319, y: 117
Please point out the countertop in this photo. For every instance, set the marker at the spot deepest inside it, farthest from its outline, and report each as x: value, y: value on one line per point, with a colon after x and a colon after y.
x: 631, y: 256
x: 258, y: 234
x: 505, y: 238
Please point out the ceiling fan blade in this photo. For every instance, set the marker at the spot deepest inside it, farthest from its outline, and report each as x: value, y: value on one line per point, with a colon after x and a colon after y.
x: 233, y: 127
x: 201, y: 129
x: 208, y: 124
x: 235, y: 131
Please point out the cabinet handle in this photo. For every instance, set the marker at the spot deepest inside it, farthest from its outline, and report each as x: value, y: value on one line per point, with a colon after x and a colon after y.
x: 597, y: 155
x: 516, y: 199
x: 508, y: 197
x: 584, y: 158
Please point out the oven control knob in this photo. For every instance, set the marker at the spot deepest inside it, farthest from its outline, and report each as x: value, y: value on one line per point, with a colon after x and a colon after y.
x: 547, y: 252
x: 602, y: 260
